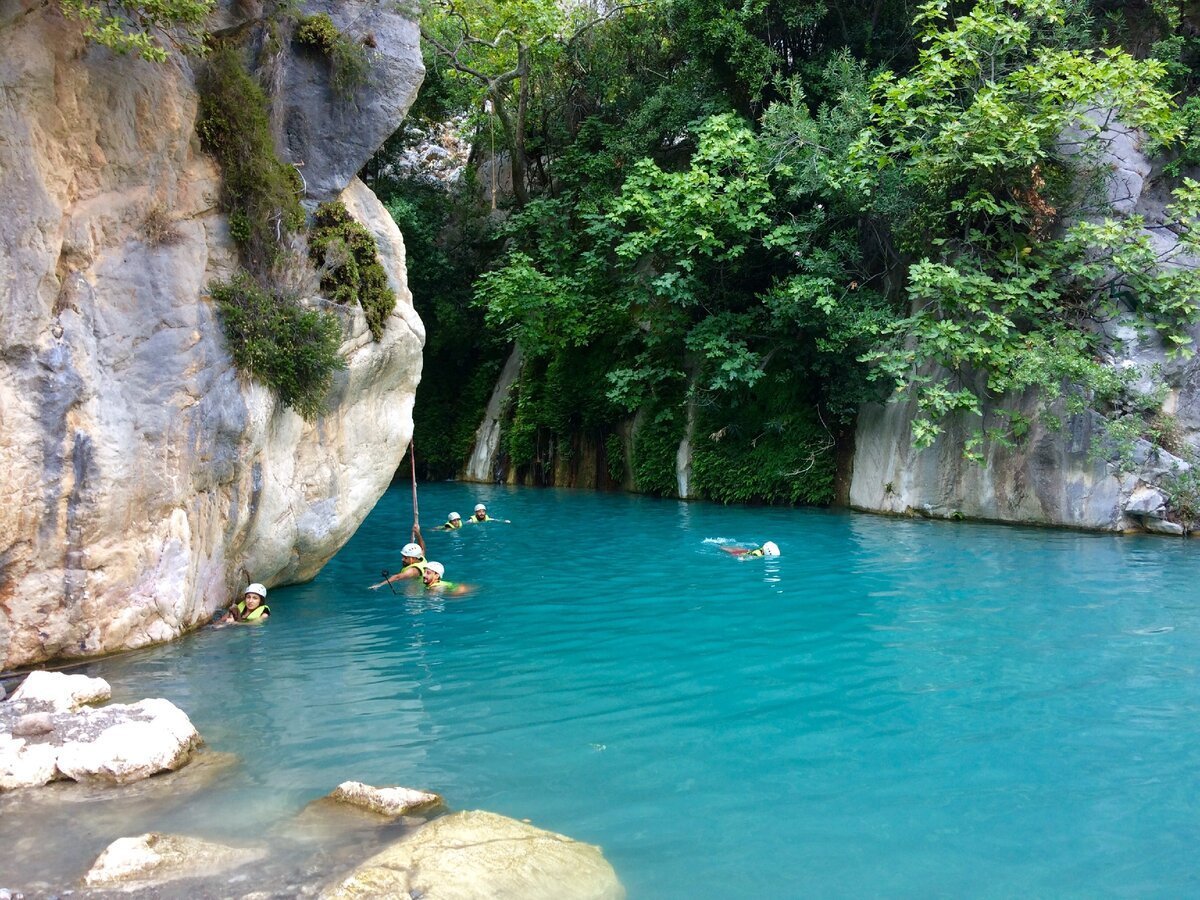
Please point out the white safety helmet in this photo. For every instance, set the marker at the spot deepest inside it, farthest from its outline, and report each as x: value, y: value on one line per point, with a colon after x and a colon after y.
x: 256, y: 588
x: 454, y: 517
x: 411, y: 550
x: 770, y: 548
x: 435, y: 567
x: 479, y: 506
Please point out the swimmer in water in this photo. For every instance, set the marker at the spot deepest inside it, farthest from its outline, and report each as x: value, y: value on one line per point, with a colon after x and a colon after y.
x: 770, y: 548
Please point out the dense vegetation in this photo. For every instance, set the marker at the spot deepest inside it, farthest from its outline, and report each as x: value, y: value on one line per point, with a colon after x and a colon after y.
x: 274, y: 339
x: 774, y: 211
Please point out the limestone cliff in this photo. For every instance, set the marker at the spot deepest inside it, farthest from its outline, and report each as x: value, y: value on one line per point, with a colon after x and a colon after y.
x: 143, y: 479
x: 1060, y: 476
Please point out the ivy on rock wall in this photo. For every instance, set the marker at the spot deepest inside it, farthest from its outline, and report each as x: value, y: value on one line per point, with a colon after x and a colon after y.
x: 139, y: 28
x: 272, y: 338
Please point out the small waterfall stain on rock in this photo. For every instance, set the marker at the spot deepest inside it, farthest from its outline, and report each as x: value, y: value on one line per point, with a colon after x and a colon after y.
x: 74, y: 563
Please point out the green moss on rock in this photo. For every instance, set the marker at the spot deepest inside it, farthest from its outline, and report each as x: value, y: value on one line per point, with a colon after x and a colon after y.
x: 346, y: 255
x: 259, y: 193
x: 275, y: 340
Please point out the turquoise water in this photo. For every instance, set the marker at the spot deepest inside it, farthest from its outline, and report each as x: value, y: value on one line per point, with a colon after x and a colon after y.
x: 891, y: 708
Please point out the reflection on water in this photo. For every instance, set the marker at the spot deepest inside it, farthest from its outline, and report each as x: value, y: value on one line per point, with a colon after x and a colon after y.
x: 891, y: 707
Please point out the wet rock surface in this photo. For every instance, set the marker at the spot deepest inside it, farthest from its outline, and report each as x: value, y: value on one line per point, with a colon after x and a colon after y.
x: 482, y: 855
x: 388, y: 801
x: 158, y: 858
x: 45, y: 735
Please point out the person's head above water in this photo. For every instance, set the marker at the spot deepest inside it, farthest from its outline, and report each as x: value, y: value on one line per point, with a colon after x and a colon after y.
x: 433, y: 572
x: 411, y: 551
x: 770, y: 548
x: 257, y: 591
x: 480, y: 511
x: 454, y: 517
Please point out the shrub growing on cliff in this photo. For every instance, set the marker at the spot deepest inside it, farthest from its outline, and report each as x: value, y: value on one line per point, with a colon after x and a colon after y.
x: 293, y: 350
x: 965, y: 158
x: 348, y: 62
x: 137, y: 28
x: 348, y: 259
x: 259, y: 193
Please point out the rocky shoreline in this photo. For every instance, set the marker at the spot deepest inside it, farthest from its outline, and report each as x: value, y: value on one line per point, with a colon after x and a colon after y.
x: 358, y: 841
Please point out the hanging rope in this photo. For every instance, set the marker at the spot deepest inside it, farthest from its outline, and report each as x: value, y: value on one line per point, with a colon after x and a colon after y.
x: 492, y: 132
x: 412, y: 456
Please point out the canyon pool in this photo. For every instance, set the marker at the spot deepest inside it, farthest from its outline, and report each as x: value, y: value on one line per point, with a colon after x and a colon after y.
x: 892, y: 707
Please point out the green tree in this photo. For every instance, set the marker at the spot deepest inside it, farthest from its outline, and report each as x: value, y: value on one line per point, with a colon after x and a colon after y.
x: 141, y: 28
x: 990, y: 137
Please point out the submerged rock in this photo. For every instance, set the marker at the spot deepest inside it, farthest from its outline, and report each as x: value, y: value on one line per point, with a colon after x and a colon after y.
x: 390, y: 801
x: 151, y: 859
x: 44, y: 737
x: 483, y: 855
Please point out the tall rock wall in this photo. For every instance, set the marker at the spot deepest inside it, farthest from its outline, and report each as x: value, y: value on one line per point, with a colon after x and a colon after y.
x: 144, y: 480
x: 1055, y: 476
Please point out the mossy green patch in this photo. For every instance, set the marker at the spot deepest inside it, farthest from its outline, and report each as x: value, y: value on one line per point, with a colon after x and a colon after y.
x: 348, y: 61
x: 272, y: 338
x: 347, y: 256
x: 655, y: 447
x: 259, y: 193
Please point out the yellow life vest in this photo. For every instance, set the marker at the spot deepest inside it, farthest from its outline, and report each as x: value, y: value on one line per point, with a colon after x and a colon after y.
x: 254, y: 615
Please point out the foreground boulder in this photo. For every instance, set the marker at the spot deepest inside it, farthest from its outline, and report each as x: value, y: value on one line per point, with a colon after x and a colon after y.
x: 477, y: 855
x: 44, y: 737
x: 151, y: 859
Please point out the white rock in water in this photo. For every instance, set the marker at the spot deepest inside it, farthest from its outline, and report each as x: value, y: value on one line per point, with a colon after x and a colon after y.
x: 481, y: 855
x: 1162, y: 526
x: 61, y: 691
x: 156, y: 858
x: 23, y: 764
x: 126, y: 742
x: 390, y: 801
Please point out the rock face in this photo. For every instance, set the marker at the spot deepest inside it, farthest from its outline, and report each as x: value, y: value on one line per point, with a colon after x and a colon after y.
x: 144, y: 480
x: 331, y: 133
x: 481, y: 855
x: 1055, y: 477
x: 46, y: 734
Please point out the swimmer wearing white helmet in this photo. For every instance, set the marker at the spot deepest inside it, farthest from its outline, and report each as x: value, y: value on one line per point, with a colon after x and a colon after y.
x: 769, y: 548
x: 453, y: 523
x: 432, y: 577
x: 412, y: 557
x: 480, y: 515
x: 251, y: 608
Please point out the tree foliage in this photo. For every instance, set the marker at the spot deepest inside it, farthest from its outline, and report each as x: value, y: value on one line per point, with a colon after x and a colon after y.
x: 778, y: 210
x: 141, y: 28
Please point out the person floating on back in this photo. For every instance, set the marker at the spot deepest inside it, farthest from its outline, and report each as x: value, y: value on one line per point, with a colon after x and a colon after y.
x: 452, y: 523
x: 251, y: 609
x: 412, y: 557
x: 433, y: 580
x: 482, y: 516
x: 770, y: 548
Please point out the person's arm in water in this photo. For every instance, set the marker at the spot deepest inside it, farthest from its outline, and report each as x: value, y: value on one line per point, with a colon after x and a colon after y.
x: 409, y: 571
x: 736, y: 551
